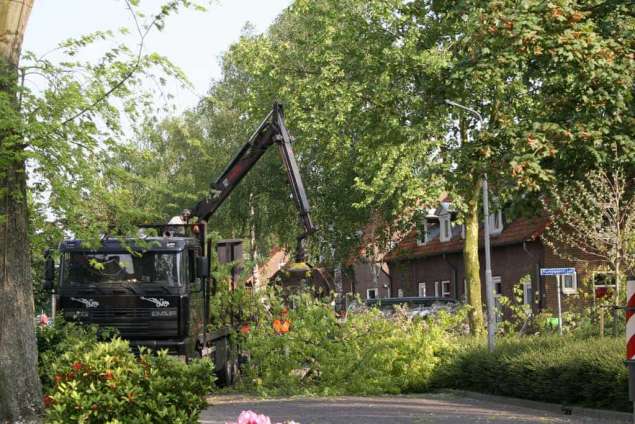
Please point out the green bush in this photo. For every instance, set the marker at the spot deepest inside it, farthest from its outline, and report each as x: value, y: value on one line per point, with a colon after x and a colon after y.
x: 53, y: 341
x: 90, y: 381
x: 364, y: 354
x: 569, y: 370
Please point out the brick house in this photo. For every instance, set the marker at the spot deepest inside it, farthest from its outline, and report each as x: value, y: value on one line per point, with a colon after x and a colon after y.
x: 428, y: 262
x: 369, y: 279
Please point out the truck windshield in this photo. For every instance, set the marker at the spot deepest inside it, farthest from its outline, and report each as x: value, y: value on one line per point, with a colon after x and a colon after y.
x: 149, y: 267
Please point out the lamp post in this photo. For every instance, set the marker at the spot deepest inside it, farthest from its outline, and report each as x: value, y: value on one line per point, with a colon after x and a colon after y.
x: 489, y: 289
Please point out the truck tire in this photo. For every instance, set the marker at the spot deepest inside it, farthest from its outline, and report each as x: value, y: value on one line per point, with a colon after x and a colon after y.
x: 227, y: 376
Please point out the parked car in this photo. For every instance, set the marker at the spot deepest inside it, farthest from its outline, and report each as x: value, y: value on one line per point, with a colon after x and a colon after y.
x: 416, y: 306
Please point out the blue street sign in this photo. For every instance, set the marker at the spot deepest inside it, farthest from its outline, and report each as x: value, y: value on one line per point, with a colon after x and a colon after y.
x: 557, y: 271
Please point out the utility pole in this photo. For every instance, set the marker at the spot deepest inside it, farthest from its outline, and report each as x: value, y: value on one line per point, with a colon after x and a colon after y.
x: 489, y: 298
x: 489, y: 289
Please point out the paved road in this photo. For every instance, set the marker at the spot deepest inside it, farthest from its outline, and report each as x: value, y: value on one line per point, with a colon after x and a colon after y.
x: 430, y: 408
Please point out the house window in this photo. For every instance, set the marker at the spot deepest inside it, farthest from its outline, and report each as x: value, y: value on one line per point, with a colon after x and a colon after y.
x: 569, y: 283
x: 422, y: 290
x: 428, y: 232
x: 496, y: 222
x: 603, y: 284
x: 436, y: 289
x: 445, y: 288
x: 527, y: 293
x: 399, y: 293
x: 371, y: 294
x: 498, y: 286
x: 422, y: 233
x: 446, y: 228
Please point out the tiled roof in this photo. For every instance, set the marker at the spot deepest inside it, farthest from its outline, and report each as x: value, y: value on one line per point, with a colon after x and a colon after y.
x: 521, y: 229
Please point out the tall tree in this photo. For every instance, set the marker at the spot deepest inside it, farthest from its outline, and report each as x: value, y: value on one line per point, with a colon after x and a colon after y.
x: 593, y: 220
x: 66, y: 131
x: 20, y: 391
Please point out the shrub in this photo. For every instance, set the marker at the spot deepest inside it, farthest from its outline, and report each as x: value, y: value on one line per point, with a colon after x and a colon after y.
x: 365, y: 354
x: 91, y: 381
x: 53, y: 341
x: 570, y: 370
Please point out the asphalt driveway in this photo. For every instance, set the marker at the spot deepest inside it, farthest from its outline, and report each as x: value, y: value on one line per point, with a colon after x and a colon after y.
x: 429, y: 408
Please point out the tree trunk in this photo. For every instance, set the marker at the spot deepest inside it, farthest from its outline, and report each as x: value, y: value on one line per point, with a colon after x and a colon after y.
x: 20, y: 391
x: 618, y: 281
x: 471, y: 262
x: 253, y: 248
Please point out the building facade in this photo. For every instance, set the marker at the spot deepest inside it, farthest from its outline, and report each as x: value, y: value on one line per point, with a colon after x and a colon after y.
x: 428, y: 262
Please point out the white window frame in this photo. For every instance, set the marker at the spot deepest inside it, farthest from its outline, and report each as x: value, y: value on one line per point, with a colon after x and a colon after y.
x: 436, y: 289
x: 493, y: 228
x: 444, y: 292
x: 497, y: 280
x: 527, y: 293
x: 374, y: 290
x: 399, y: 292
x: 423, y: 238
x: 606, y: 286
x: 574, y: 283
x: 422, y: 286
x: 445, y: 228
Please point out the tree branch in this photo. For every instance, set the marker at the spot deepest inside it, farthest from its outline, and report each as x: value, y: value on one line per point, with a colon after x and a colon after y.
x: 128, y: 75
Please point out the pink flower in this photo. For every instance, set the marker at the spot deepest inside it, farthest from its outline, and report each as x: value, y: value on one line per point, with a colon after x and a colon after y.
x: 250, y: 417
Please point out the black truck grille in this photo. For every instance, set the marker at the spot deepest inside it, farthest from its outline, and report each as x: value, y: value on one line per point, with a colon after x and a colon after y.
x: 135, y: 323
x: 121, y: 313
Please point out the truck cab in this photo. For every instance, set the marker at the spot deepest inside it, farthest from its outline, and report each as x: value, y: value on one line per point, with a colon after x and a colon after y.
x: 154, y: 291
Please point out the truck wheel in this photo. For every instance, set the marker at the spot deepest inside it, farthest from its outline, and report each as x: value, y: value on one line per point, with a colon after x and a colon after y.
x: 195, y: 355
x: 227, y: 375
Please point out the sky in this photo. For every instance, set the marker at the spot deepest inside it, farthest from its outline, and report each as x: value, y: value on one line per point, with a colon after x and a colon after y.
x: 192, y: 40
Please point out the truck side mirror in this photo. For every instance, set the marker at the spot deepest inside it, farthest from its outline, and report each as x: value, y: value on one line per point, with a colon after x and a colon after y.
x: 49, y: 273
x: 202, y: 266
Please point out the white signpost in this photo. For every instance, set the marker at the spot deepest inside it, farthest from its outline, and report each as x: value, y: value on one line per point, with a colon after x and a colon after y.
x: 558, y: 272
x: 630, y: 338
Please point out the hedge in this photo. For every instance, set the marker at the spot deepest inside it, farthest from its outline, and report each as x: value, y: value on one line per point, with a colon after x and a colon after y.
x: 566, y: 370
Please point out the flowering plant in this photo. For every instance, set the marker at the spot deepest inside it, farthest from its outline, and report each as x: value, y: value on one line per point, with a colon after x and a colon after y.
x: 250, y: 417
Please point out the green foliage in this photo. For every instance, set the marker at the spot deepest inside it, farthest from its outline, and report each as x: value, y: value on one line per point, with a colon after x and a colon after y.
x: 53, y: 341
x: 71, y: 117
x: 365, y: 353
x: 86, y: 380
x: 569, y: 370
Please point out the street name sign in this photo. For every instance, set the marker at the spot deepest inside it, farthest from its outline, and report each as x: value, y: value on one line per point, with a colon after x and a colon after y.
x: 556, y: 271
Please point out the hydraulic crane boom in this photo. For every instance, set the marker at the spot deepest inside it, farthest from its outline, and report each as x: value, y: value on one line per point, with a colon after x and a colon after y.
x: 271, y: 130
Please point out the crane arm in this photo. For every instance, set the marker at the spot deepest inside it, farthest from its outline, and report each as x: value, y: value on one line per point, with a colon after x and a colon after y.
x: 271, y: 131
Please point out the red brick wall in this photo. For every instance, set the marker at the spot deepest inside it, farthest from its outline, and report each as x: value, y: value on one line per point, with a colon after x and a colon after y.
x: 364, y: 280
x: 510, y: 262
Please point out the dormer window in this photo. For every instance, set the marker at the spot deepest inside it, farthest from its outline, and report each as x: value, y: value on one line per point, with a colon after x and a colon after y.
x: 446, y: 228
x: 496, y: 222
x: 428, y: 232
